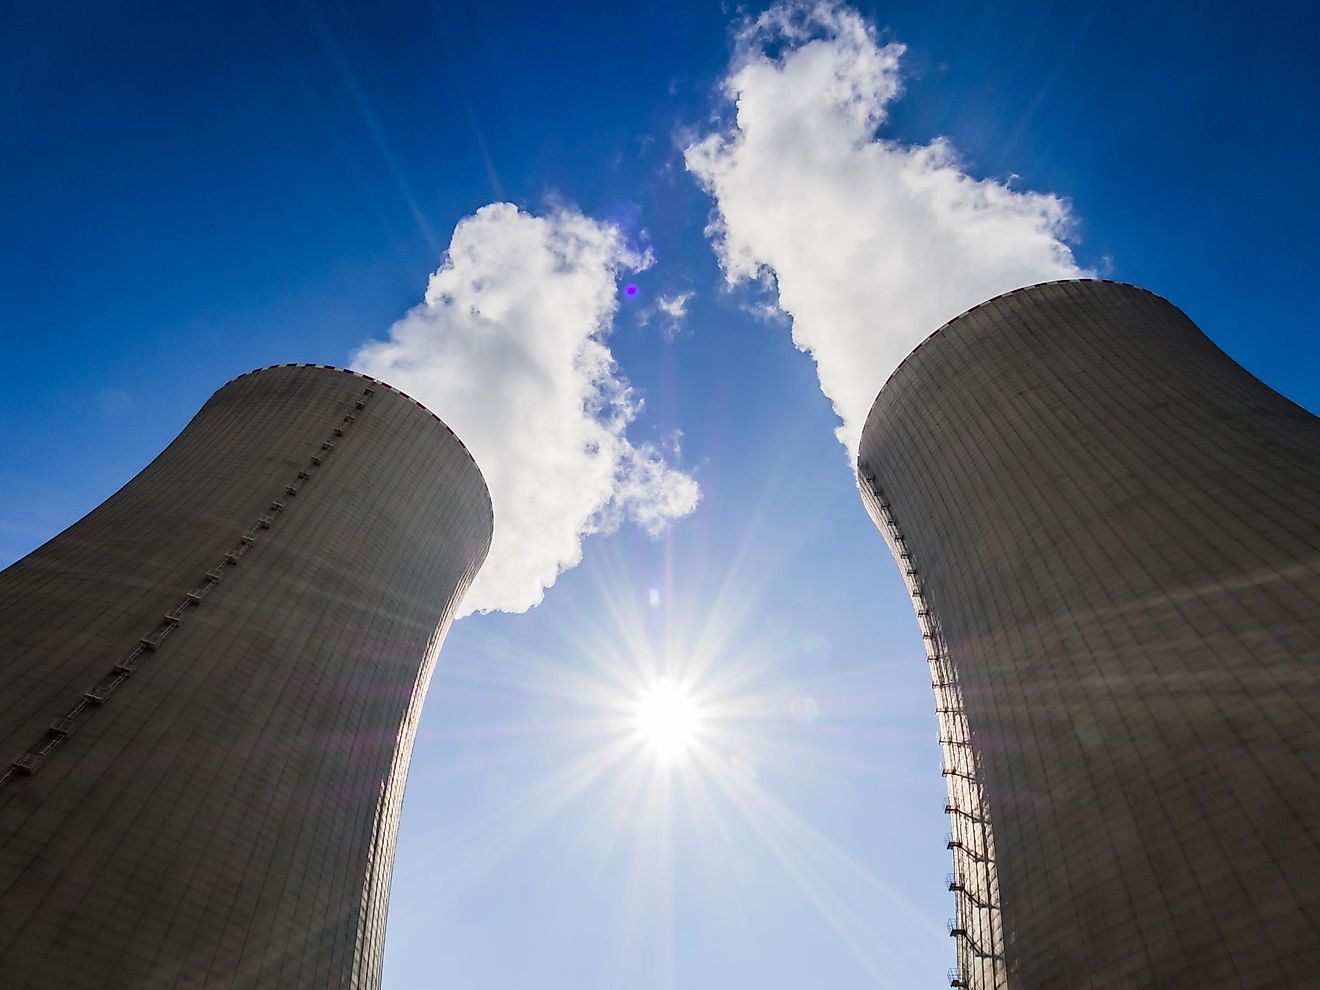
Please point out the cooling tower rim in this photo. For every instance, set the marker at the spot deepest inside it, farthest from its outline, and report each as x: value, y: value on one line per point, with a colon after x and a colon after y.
x: 979, y: 306
x: 385, y: 385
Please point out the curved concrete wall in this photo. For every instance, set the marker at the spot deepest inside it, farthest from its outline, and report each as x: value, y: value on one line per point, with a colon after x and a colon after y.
x: 1114, y: 532
x: 213, y: 681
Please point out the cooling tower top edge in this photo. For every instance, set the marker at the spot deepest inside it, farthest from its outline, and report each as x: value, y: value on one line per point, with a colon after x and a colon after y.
x: 979, y: 306
x: 383, y: 384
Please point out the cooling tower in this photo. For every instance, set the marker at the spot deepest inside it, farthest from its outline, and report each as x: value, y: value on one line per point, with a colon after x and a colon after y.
x: 213, y: 681
x: 1111, y: 535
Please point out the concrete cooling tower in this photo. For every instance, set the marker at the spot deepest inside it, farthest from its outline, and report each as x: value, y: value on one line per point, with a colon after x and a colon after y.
x: 1111, y: 536
x: 212, y: 683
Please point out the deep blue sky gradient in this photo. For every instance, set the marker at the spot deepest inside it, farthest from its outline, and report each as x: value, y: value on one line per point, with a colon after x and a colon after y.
x: 189, y: 191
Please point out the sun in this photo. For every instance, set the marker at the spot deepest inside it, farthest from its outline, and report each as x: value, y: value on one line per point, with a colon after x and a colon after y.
x: 666, y: 719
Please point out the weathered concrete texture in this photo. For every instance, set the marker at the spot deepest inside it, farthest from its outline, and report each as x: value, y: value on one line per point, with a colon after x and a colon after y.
x: 226, y: 818
x: 1119, y: 531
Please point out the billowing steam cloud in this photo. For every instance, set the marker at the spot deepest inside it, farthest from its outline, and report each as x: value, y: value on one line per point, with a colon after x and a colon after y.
x: 508, y: 349
x: 872, y: 244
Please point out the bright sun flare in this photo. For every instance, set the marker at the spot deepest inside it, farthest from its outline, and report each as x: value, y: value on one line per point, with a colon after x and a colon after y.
x: 666, y: 719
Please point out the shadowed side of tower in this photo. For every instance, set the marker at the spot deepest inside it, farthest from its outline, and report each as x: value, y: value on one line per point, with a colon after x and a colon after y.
x: 1112, y: 536
x: 213, y: 681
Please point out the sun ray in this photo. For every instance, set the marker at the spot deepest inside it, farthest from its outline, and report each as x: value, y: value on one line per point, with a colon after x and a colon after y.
x: 833, y: 881
x: 670, y: 704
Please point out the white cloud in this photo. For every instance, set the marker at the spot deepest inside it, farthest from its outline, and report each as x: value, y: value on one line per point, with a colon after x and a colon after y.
x: 675, y: 307
x: 870, y: 243
x: 673, y: 311
x: 508, y: 349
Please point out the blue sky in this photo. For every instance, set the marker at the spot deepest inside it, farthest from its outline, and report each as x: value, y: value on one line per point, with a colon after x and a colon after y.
x: 192, y: 191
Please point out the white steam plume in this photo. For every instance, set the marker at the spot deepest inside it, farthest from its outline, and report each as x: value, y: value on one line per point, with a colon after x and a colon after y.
x: 508, y: 349
x: 872, y: 244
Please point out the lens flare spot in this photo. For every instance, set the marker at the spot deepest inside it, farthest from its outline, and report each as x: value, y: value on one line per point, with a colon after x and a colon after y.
x: 631, y: 290
x: 742, y: 765
x: 804, y: 709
